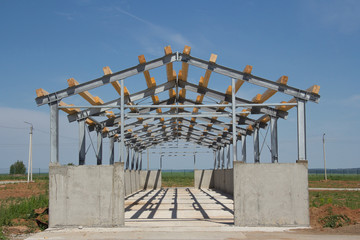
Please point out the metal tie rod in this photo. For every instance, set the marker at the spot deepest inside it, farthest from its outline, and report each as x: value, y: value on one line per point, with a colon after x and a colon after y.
x: 185, y: 106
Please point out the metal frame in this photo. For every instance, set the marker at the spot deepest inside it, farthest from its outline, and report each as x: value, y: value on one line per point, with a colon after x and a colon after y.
x: 151, y: 130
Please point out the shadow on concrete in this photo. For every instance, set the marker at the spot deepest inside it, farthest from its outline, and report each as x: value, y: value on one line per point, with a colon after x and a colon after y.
x: 225, y: 208
x: 197, y: 206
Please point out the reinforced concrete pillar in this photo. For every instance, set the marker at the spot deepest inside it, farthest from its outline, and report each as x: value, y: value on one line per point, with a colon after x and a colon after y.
x: 274, y: 140
x: 99, y: 147
x: 243, y: 148
x: 301, y: 130
x: 111, y: 160
x: 82, y: 145
x: 54, y: 132
x: 256, y: 145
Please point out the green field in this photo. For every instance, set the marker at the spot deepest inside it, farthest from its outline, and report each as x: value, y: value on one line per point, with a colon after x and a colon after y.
x: 341, y: 177
x: 350, y: 199
x: 177, y: 179
x: 37, y: 176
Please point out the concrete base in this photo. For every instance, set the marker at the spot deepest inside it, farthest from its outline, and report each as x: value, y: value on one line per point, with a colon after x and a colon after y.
x: 90, y: 196
x: 203, y: 179
x: 150, y: 179
x: 271, y: 194
x: 220, y: 179
x: 224, y: 180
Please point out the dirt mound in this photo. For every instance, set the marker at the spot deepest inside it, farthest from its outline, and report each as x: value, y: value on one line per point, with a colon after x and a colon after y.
x: 328, y: 212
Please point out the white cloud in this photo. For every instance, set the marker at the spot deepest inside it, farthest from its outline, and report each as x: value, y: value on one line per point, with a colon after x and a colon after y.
x: 155, y: 34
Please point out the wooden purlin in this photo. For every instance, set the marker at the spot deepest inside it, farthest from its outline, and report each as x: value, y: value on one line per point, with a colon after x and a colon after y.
x: 41, y: 92
x: 313, y: 89
x: 150, y: 82
x: 170, y: 72
x: 183, y: 73
x: 90, y: 98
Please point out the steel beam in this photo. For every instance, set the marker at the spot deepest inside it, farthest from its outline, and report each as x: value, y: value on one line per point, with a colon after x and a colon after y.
x: 274, y: 140
x: 298, y: 93
x: 82, y: 145
x: 256, y: 145
x: 99, y: 148
x: 301, y: 130
x: 234, y: 138
x: 52, y: 97
x: 111, y: 160
x: 223, y: 97
x: 54, y: 132
x: 243, y: 148
x: 122, y: 121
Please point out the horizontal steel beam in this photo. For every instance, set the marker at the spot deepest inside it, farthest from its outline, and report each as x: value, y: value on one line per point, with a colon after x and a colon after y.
x: 56, y: 96
x: 232, y: 73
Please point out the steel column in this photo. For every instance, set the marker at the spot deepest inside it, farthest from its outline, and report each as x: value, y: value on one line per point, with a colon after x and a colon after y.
x: 99, y: 147
x: 274, y: 140
x: 228, y: 157
x: 141, y: 159
x: 214, y: 159
x: 147, y: 156
x: 243, y: 148
x: 137, y: 160
x: 234, y: 142
x: 82, y: 145
x: 194, y: 161
x: 111, y: 161
x: 301, y: 130
x: 223, y: 158
x: 127, y: 158
x: 256, y: 145
x: 122, y: 121
x: 54, y: 132
x: 132, y: 159
x: 219, y: 158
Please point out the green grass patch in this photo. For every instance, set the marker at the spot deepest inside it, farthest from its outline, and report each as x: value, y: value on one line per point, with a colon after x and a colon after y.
x: 23, y: 208
x: 350, y: 199
x: 177, y: 179
x: 341, y: 177
x: 41, y: 176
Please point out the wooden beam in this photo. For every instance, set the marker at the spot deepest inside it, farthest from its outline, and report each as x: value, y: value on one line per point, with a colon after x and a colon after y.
x: 150, y: 81
x: 115, y: 84
x: 41, y: 92
x: 86, y: 95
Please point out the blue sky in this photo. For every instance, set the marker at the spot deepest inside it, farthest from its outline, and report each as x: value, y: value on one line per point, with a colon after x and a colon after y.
x: 43, y: 43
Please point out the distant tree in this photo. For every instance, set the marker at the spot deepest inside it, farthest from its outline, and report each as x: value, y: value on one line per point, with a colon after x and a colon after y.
x: 71, y: 164
x: 18, y: 168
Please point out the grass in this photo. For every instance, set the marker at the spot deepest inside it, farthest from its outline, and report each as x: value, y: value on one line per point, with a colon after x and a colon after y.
x: 177, y: 179
x: 340, y: 177
x: 23, y: 208
x: 350, y: 199
x: 41, y: 176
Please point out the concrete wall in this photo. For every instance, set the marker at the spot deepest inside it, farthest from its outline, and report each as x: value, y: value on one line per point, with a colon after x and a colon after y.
x: 138, y: 180
x: 150, y: 179
x: 90, y: 196
x: 224, y: 180
x: 203, y: 179
x: 271, y: 194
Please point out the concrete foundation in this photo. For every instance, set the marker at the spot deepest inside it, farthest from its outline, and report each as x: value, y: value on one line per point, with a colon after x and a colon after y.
x: 139, y: 180
x: 271, y: 194
x: 224, y: 180
x: 220, y: 179
x: 203, y: 179
x: 91, y: 196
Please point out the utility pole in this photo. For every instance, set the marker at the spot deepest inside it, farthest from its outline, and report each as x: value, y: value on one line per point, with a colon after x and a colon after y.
x: 30, y: 174
x: 324, y: 156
